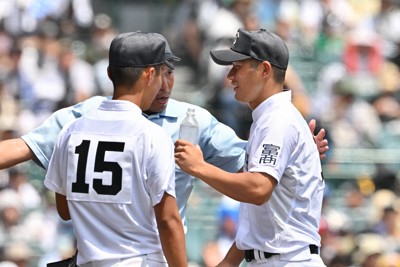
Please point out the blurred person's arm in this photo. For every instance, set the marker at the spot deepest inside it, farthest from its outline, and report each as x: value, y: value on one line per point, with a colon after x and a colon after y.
x: 300, y: 97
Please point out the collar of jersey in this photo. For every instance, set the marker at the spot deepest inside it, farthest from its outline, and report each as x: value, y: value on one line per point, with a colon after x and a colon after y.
x: 121, y: 105
x: 269, y: 103
x: 161, y: 114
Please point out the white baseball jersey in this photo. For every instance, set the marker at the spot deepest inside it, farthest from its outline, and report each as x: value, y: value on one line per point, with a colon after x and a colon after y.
x: 113, y: 165
x: 281, y: 145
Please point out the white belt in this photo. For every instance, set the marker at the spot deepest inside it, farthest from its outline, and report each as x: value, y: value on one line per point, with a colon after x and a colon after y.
x: 159, y: 257
x: 297, y: 255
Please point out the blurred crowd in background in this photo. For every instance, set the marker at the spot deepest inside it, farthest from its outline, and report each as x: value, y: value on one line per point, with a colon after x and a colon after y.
x: 344, y: 72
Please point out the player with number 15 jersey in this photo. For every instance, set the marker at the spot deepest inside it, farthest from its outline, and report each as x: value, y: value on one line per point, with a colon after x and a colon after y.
x: 99, y: 166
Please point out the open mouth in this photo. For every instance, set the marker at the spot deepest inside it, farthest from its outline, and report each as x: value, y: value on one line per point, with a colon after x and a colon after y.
x: 162, y: 100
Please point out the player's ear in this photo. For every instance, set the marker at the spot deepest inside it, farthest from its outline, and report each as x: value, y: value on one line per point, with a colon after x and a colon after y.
x: 108, y: 72
x: 267, y: 68
x: 149, y: 73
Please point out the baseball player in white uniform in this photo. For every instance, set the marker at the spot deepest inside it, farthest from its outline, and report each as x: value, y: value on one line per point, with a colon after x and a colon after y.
x: 113, y: 170
x: 281, y: 187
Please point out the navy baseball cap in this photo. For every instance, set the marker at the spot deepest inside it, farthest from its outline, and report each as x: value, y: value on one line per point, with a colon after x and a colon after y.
x: 169, y: 57
x: 260, y: 45
x: 138, y: 49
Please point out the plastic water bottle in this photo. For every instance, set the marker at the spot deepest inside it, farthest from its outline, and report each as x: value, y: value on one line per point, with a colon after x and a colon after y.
x: 189, y: 128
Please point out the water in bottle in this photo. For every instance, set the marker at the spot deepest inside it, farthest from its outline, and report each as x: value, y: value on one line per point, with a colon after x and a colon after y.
x: 189, y: 128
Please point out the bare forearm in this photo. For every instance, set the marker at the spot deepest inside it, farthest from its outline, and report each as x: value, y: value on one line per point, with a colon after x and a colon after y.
x: 250, y: 187
x: 233, y: 258
x: 171, y: 233
x: 13, y: 152
x: 173, y: 242
x: 254, y: 188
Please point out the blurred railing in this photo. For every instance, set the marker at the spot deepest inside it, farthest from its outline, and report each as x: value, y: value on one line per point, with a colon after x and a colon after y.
x: 354, y: 163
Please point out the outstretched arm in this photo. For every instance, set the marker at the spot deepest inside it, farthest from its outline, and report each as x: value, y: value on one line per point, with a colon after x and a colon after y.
x: 322, y: 144
x: 14, y: 151
x: 249, y: 187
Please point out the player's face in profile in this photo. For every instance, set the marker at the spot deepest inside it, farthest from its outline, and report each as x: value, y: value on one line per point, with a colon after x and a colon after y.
x: 245, y: 79
x: 154, y: 87
x: 161, y: 99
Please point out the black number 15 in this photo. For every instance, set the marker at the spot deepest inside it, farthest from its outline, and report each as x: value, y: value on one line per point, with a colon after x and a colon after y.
x: 80, y: 186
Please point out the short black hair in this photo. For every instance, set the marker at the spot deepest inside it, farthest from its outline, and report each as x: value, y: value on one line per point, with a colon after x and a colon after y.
x: 127, y: 76
x: 278, y: 73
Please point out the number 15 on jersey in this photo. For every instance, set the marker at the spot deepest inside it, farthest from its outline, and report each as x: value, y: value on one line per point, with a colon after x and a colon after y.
x: 99, y: 168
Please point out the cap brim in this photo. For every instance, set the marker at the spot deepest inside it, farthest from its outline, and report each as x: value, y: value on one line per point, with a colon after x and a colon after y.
x: 227, y: 56
x: 169, y: 64
x: 169, y: 59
